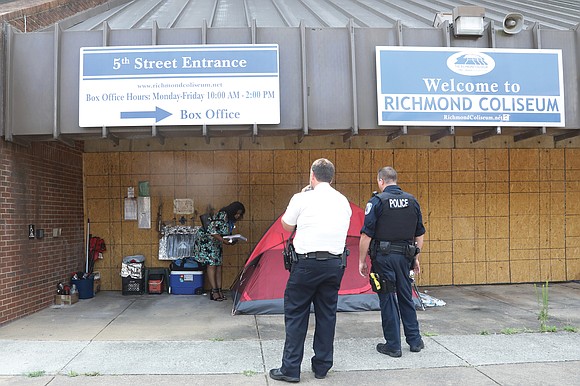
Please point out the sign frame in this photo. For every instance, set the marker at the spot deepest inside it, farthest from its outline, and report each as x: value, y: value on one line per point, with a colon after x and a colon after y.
x: 458, y: 86
x: 179, y: 85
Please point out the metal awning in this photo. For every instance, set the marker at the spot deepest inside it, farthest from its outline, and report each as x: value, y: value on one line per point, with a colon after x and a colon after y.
x: 550, y: 14
x: 327, y: 60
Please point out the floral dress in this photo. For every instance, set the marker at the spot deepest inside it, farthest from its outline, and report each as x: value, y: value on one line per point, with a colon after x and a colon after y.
x: 208, y: 249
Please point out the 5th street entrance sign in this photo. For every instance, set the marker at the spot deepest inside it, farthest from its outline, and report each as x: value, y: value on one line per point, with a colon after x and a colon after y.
x: 179, y: 85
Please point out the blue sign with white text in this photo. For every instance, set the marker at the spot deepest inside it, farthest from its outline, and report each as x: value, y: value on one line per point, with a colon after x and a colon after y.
x: 469, y: 87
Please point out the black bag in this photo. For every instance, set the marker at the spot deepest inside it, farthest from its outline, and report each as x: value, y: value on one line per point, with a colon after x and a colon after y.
x: 186, y: 264
x: 205, y: 220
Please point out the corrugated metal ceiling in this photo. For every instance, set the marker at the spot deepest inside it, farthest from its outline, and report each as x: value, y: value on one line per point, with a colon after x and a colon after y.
x: 550, y: 14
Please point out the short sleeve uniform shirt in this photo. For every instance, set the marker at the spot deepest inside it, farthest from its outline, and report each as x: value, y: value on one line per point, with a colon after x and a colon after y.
x: 322, y: 219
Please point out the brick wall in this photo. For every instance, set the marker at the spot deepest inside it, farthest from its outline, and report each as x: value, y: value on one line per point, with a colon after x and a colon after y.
x: 40, y: 185
x: 31, y: 15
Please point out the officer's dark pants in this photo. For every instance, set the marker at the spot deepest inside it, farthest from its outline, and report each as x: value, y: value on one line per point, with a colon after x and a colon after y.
x: 396, y: 268
x: 316, y: 282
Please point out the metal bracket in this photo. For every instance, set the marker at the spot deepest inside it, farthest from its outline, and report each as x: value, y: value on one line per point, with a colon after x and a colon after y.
x: 529, y: 134
x: 68, y: 142
x: 486, y: 134
x: 442, y: 133
x: 301, y: 137
x: 205, y: 133
x: 155, y: 133
x: 108, y: 135
x: 397, y: 133
x: 568, y: 135
x: 254, y: 133
x: 347, y: 136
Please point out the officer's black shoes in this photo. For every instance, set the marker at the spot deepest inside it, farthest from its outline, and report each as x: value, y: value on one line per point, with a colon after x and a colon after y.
x: 278, y: 375
x: 382, y: 348
x: 316, y: 375
x: 418, y: 347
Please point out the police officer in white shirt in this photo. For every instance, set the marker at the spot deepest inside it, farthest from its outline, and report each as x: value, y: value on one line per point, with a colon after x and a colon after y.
x: 321, y: 217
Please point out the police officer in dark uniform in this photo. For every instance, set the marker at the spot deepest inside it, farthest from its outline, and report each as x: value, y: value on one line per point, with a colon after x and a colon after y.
x: 393, y: 234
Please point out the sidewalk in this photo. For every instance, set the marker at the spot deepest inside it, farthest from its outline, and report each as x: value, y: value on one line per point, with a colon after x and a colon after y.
x: 177, y: 339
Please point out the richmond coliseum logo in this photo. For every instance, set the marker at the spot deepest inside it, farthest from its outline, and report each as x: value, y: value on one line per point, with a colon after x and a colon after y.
x: 470, y: 63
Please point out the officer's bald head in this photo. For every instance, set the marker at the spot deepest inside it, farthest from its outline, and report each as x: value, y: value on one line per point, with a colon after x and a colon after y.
x: 388, y: 174
x: 323, y: 170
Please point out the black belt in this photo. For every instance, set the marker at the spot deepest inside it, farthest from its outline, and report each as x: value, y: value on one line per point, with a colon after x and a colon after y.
x: 399, y: 249
x: 395, y: 248
x: 318, y: 256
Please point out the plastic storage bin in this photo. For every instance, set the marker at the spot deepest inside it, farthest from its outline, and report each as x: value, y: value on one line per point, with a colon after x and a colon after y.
x: 156, y: 283
x: 133, y: 286
x: 185, y: 282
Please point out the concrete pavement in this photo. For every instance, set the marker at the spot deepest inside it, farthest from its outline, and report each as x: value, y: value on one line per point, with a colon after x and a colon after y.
x: 484, y: 335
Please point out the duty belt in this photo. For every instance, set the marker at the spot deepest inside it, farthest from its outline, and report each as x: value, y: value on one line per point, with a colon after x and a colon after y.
x: 402, y: 249
x: 318, y: 256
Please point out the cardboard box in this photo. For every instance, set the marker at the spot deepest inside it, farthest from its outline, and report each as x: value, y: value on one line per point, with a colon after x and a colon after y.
x: 66, y: 299
x: 185, y: 282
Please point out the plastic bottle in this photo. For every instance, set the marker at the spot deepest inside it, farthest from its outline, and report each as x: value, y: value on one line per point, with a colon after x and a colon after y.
x: 73, y: 289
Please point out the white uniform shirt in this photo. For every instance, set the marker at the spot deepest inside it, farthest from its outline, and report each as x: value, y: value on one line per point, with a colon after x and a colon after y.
x: 321, y: 217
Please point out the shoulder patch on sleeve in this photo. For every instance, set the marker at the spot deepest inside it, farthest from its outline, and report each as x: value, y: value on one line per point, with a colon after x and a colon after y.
x: 368, y: 208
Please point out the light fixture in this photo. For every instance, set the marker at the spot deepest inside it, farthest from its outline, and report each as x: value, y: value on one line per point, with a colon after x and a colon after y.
x: 468, y: 20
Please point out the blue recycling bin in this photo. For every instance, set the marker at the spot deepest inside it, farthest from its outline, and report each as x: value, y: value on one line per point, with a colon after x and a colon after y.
x: 86, y: 287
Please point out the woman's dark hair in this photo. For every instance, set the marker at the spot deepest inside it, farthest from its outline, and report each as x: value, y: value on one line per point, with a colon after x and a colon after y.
x: 232, y: 209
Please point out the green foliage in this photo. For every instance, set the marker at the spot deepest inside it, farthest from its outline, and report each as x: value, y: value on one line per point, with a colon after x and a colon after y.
x: 36, y: 374
x: 249, y: 373
x: 543, y: 303
x: 570, y: 329
x: 430, y: 333
x: 511, y: 331
x: 484, y: 332
x: 217, y: 339
x: 72, y: 374
x: 93, y: 374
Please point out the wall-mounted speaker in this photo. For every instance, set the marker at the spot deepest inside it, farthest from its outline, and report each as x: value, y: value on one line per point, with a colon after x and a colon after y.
x: 513, y: 23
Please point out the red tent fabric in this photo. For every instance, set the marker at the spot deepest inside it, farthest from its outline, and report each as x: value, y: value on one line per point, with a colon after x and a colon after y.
x: 260, y: 287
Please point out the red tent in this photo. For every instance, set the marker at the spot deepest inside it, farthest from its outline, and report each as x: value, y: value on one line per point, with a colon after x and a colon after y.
x: 260, y: 287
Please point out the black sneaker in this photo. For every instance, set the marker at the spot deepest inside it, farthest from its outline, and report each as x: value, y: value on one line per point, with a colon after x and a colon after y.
x: 418, y: 347
x: 316, y: 375
x: 382, y: 348
x: 278, y: 375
